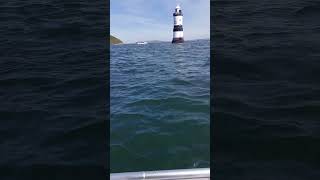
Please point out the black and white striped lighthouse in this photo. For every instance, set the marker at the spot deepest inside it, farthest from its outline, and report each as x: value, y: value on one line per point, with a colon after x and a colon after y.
x: 177, y: 28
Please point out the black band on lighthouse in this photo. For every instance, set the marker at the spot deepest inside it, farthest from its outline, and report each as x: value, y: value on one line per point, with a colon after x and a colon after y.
x: 177, y: 40
x: 178, y: 13
x: 178, y: 28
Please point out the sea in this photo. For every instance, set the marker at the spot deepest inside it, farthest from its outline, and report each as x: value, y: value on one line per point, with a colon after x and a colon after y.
x: 53, y: 89
x: 160, y: 106
x: 265, y: 89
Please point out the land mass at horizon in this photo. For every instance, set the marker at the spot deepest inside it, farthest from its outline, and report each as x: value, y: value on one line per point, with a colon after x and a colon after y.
x: 114, y: 40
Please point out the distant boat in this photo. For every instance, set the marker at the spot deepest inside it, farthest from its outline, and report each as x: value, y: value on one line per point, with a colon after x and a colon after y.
x: 141, y: 42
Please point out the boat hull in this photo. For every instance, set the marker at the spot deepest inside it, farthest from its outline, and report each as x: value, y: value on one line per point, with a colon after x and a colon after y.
x: 183, y: 174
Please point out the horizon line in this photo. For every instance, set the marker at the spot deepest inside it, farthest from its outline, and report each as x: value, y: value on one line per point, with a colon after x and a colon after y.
x: 166, y: 41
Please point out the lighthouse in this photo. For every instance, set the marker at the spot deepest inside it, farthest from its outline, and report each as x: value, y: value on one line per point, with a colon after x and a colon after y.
x: 177, y: 26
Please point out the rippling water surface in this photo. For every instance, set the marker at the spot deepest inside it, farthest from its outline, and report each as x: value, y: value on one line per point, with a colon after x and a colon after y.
x: 266, y: 89
x: 160, y: 95
x: 53, y: 89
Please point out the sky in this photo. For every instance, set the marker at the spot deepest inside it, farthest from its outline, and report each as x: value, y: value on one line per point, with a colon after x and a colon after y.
x: 145, y: 20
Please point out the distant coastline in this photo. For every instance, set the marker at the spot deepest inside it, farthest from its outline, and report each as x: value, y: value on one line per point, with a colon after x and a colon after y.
x: 114, y: 40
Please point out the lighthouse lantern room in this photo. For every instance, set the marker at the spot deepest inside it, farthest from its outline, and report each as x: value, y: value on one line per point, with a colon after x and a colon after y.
x: 177, y: 26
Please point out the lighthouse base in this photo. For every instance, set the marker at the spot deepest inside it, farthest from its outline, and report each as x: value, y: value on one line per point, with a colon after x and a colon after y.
x: 177, y: 40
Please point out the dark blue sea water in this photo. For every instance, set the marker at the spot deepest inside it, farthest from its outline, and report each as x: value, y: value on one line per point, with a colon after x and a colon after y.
x: 160, y: 106
x: 265, y: 77
x: 53, y: 89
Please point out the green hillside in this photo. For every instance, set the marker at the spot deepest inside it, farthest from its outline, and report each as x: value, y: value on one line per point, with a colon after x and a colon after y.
x: 114, y: 40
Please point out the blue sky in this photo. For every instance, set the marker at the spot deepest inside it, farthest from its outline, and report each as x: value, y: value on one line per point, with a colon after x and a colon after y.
x: 143, y: 20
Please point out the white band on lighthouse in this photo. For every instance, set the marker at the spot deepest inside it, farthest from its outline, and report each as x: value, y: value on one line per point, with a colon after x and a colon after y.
x: 178, y: 20
x: 178, y: 34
